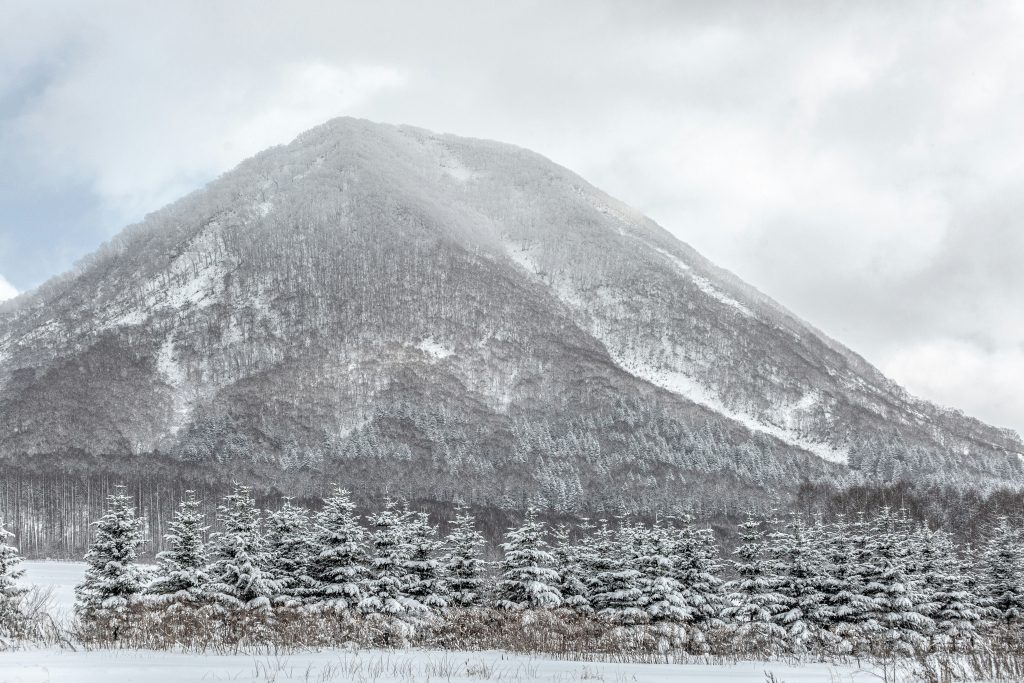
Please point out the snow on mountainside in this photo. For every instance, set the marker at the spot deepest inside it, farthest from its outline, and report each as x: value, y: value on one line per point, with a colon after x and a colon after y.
x: 384, y: 299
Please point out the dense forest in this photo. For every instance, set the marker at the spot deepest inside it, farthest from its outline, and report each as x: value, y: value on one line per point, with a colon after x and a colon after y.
x: 49, y: 502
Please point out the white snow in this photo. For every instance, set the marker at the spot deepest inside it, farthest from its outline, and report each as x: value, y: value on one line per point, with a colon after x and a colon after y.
x: 675, y: 260
x: 456, y: 169
x: 434, y: 349
x: 174, y: 375
x: 380, y: 666
x: 60, y: 576
x: 704, y: 285
x: 167, y: 366
x: 523, y: 256
x: 688, y: 387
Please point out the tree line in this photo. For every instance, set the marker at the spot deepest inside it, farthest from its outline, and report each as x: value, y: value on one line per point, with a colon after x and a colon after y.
x: 878, y: 584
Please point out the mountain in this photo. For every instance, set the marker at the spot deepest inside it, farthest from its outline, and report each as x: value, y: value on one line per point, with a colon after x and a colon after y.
x: 446, y: 318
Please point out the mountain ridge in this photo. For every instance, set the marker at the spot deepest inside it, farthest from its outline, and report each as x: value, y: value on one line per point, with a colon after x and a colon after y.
x: 296, y: 303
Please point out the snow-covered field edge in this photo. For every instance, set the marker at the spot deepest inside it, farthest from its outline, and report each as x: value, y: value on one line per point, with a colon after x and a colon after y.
x: 76, y: 662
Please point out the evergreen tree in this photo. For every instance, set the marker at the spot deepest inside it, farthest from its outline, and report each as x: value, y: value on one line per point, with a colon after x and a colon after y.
x: 660, y: 595
x: 528, y: 580
x: 180, y: 577
x: 951, y: 605
x: 571, y: 558
x: 754, y: 601
x: 849, y: 554
x: 895, y: 589
x: 461, y: 565
x: 614, y: 582
x: 239, y: 576
x: 12, y: 615
x: 112, y: 584
x: 387, y: 590
x: 695, y: 566
x: 1001, y: 575
x: 339, y: 563
x: 423, y: 570
x: 289, y: 552
x: 803, y: 613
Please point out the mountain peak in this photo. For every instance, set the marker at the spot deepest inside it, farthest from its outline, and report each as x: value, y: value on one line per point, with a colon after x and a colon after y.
x: 409, y: 307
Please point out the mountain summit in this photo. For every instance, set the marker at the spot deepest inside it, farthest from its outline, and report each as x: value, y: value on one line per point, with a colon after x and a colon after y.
x: 452, y: 318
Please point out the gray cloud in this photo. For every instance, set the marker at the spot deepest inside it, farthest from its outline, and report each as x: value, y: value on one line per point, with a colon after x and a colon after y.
x: 858, y: 161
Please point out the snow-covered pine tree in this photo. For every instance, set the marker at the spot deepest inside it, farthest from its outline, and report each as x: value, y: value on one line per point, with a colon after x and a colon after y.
x: 1002, y: 575
x: 180, y: 577
x: 528, y: 579
x: 289, y: 553
x: 239, y: 576
x: 800, y: 569
x: 390, y: 549
x: 112, y: 584
x: 753, y: 598
x: 462, y: 565
x: 660, y: 595
x: 849, y: 554
x: 696, y: 566
x: 338, y: 562
x: 425, y: 583
x: 950, y: 604
x: 613, y: 582
x: 895, y: 590
x: 570, y: 559
x: 12, y: 616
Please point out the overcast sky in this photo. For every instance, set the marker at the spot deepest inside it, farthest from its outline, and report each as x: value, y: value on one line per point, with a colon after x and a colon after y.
x: 863, y: 163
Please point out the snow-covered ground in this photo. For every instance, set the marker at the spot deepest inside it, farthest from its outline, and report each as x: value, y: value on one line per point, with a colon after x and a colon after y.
x: 368, y: 666
x: 58, y: 575
x: 373, y: 666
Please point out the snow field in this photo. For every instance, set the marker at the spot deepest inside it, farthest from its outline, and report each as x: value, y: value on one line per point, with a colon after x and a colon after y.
x: 376, y: 666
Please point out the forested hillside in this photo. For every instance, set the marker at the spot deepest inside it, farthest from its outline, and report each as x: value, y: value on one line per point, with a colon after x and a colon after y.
x: 443, y: 319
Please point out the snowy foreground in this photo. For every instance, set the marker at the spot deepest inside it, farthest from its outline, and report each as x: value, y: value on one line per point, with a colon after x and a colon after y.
x: 372, y: 666
x: 367, y: 666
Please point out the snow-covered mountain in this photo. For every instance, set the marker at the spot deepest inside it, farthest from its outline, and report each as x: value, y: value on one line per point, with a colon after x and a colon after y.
x: 451, y: 317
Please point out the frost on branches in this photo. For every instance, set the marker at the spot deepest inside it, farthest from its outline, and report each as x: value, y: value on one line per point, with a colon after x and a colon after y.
x: 12, y: 616
x: 878, y: 585
x: 113, y: 581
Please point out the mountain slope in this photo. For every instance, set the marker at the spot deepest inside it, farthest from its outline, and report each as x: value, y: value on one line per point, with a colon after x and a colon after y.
x: 434, y: 313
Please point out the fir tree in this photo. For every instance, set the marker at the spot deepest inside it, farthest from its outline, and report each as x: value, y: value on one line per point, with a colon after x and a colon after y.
x: 239, y: 580
x: 461, y: 564
x: 339, y: 563
x: 849, y: 554
x: 180, y: 577
x: 951, y: 605
x: 800, y: 568
x: 423, y: 572
x: 1001, y: 575
x: 12, y: 615
x: 528, y: 580
x: 571, y: 558
x: 754, y: 600
x: 660, y: 595
x: 695, y: 565
x: 112, y: 584
x: 391, y: 550
x: 895, y: 590
x: 289, y: 552
x: 613, y: 581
